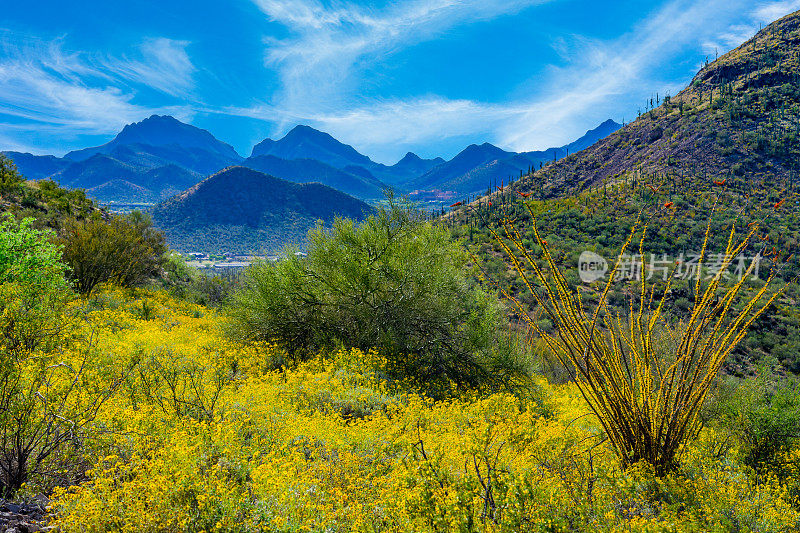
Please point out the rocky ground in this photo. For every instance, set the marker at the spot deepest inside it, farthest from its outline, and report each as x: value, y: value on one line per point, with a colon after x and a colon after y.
x: 24, y: 517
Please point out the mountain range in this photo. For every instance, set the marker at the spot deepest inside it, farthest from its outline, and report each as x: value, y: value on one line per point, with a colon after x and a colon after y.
x: 271, y: 198
x: 477, y: 168
x: 156, y: 158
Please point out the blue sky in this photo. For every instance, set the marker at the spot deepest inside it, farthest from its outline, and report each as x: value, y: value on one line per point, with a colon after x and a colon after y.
x: 429, y: 76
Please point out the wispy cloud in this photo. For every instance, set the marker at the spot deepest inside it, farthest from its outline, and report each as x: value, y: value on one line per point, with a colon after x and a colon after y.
x: 387, y: 127
x: 46, y: 84
x: 329, y: 59
x: 606, y: 71
x: 757, y: 15
x: 424, y: 119
x: 321, y: 60
x: 766, y: 12
x: 43, y: 86
x: 329, y: 48
x: 165, y: 66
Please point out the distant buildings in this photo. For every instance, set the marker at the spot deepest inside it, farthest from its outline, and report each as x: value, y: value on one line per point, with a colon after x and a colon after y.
x: 228, y: 260
x: 232, y: 264
x: 432, y: 195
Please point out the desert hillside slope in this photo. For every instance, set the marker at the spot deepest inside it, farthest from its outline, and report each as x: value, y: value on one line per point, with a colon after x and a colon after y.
x: 738, y: 119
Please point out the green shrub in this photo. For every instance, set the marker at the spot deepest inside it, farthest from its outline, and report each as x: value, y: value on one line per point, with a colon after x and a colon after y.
x: 126, y: 250
x: 193, y: 285
x: 33, y: 291
x: 211, y: 291
x: 394, y: 283
x: 10, y: 179
x: 37, y: 422
x: 763, y: 414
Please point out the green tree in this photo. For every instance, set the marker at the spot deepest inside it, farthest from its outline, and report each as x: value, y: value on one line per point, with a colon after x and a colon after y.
x: 126, y: 250
x: 395, y: 283
x: 763, y: 413
x: 10, y: 179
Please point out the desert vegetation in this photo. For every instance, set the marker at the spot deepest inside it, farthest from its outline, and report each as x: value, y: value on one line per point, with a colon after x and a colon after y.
x: 377, y: 385
x: 453, y: 372
x: 395, y: 283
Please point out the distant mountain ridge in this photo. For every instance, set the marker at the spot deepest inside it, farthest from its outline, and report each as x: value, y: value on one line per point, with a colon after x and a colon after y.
x: 447, y: 174
x: 304, y: 142
x: 300, y: 170
x: 240, y: 210
x: 150, y: 160
x: 101, y: 176
x: 146, y: 162
x: 36, y: 167
x: 164, y: 138
x: 413, y: 165
x: 478, y: 168
x: 602, y: 131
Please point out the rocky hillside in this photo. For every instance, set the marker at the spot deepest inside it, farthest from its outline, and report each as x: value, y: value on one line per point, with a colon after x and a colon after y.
x: 726, y: 147
x: 737, y: 120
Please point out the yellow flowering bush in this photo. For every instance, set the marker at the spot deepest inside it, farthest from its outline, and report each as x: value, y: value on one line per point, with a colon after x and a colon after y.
x: 203, y: 436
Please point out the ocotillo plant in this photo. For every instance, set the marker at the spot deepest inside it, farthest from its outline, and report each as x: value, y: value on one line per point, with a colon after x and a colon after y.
x: 646, y: 397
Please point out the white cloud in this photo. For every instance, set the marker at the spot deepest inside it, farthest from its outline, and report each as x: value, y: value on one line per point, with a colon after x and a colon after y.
x: 608, y: 71
x: 729, y: 39
x: 328, y: 48
x: 50, y: 86
x: 421, y: 120
x: 319, y: 63
x: 759, y: 15
x: 388, y: 127
x: 165, y: 66
x: 767, y: 12
x: 44, y: 87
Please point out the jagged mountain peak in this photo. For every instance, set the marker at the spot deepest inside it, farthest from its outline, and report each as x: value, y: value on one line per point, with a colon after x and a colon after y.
x: 305, y: 142
x: 161, y: 131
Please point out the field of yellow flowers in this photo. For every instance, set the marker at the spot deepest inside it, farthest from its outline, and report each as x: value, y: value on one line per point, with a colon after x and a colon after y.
x: 202, y: 435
